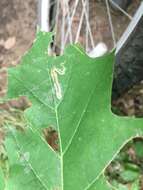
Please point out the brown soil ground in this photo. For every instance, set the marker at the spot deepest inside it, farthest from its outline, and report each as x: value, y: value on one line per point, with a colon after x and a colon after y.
x: 17, y: 31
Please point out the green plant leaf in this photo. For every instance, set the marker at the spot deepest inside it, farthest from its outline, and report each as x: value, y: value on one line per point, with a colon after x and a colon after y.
x: 2, y: 180
x: 71, y: 94
x: 135, y: 185
x: 102, y: 183
x: 129, y: 175
x: 138, y: 146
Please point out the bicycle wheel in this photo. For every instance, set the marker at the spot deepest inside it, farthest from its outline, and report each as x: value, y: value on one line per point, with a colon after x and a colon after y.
x: 99, y: 23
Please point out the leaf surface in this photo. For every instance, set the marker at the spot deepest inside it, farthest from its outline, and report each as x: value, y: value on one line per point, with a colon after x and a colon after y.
x: 72, y: 94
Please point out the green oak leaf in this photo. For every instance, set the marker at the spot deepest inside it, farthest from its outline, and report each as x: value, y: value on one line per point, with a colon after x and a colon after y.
x: 2, y: 180
x: 72, y: 94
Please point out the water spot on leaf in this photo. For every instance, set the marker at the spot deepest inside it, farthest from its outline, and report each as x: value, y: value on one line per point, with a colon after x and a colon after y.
x: 103, y: 120
x: 27, y: 169
x: 25, y: 157
x: 79, y: 138
x: 24, y: 161
x: 87, y: 73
